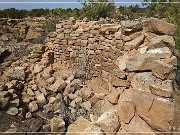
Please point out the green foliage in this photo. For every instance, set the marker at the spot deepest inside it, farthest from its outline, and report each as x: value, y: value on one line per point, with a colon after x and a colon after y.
x: 38, y: 12
x: 50, y: 25
x: 96, y: 9
x: 19, y: 14
x: 13, y: 13
x: 61, y: 14
x: 131, y: 12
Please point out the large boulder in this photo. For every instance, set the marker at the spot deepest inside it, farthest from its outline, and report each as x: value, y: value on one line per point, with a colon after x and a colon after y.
x: 142, y: 62
x: 131, y: 26
x: 147, y: 82
x: 157, y: 112
x: 137, y: 126
x: 161, y: 41
x: 161, y: 27
x: 154, y: 60
x: 125, y: 111
x: 163, y: 71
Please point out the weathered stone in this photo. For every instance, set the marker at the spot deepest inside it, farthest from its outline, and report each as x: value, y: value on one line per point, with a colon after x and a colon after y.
x: 37, y: 68
x: 93, y: 130
x: 72, y: 86
x: 93, y: 118
x: 134, y: 44
x: 52, y: 35
x: 147, y: 82
x: 4, y: 99
x: 48, y: 108
x: 32, y: 125
x: 30, y: 92
x: 162, y: 27
x: 46, y: 128
x: 87, y: 105
x: 142, y: 62
x: 148, y: 107
x: 125, y: 111
x: 163, y: 71
x: 78, y: 100
x: 136, y: 126
x: 131, y: 26
x: 118, y: 35
x: 58, y: 26
x: 33, y: 106
x: 163, y: 89
x: 109, y: 122
x: 12, y: 111
x: 31, y: 34
x: 15, y: 102
x: 57, y: 125
x: 113, y: 96
x: 28, y: 115
x: 161, y: 41
x: 121, y: 62
x: 115, y: 81
x: 72, y: 104
x: 79, y: 126
x: 58, y: 85
x: 109, y: 27
x: 86, y: 93
x: 34, y: 87
x: 52, y: 100
x: 16, y: 74
x: 44, y: 91
x: 50, y: 80
x: 41, y: 99
x: 164, y: 50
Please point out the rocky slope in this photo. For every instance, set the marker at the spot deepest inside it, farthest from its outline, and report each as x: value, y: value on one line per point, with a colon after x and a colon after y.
x: 94, y: 77
x: 17, y: 36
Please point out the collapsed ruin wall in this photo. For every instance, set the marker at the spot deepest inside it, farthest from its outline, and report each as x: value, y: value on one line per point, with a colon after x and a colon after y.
x: 136, y: 55
x: 128, y: 69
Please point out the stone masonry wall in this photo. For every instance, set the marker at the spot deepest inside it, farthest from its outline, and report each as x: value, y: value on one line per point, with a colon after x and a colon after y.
x: 136, y: 56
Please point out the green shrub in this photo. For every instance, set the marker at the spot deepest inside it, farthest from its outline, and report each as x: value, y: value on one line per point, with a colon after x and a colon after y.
x: 50, y: 25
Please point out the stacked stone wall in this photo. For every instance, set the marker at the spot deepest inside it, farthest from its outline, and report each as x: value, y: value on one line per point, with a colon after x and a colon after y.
x: 136, y: 55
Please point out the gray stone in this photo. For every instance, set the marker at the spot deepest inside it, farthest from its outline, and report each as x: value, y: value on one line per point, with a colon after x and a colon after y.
x: 16, y: 74
x: 33, y: 106
x: 12, y: 111
x: 58, y: 85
